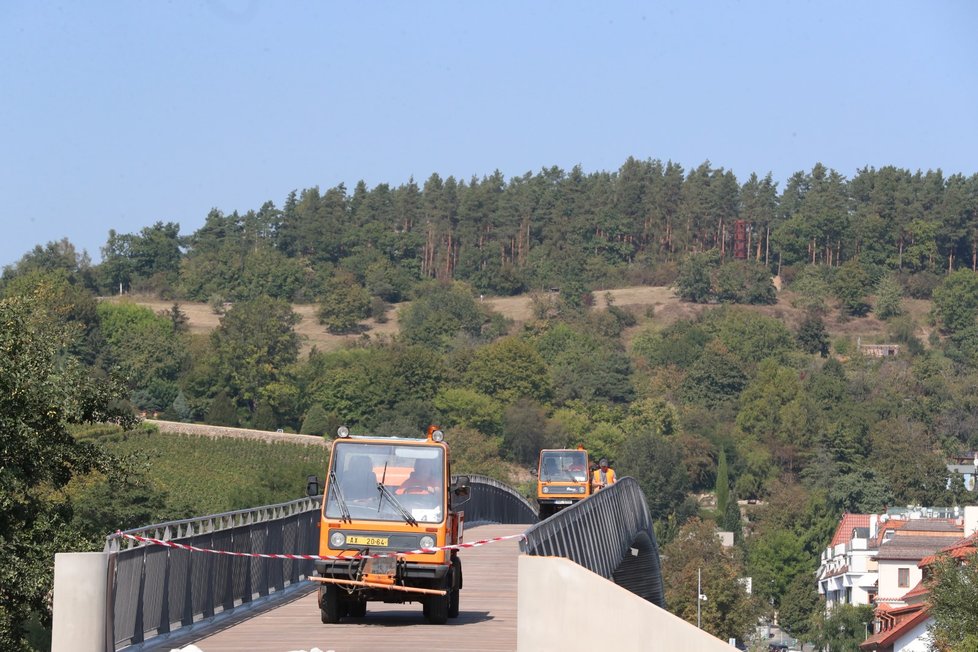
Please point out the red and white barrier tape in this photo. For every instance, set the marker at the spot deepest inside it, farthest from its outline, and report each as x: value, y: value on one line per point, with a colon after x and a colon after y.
x: 419, y: 551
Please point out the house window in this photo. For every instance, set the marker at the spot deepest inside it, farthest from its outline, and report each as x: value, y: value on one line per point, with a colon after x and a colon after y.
x: 903, y: 578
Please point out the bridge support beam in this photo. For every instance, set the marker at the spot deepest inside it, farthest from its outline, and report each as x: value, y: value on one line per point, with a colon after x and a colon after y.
x: 79, y: 602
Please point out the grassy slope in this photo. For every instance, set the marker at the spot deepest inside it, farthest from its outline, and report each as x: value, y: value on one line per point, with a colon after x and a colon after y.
x: 206, y: 476
x: 655, y: 304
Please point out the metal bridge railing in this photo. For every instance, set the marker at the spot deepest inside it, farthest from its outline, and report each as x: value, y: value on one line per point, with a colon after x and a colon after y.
x: 609, y: 533
x: 492, y: 501
x: 154, y: 590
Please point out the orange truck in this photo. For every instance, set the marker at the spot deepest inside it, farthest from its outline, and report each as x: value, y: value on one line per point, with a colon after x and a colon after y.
x: 563, y: 478
x: 386, y: 499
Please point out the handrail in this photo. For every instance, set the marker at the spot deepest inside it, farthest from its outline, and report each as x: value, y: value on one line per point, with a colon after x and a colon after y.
x: 492, y: 501
x: 188, y: 527
x: 609, y: 533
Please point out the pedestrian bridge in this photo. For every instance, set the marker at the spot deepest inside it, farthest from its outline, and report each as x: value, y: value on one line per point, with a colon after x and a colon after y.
x: 592, y: 568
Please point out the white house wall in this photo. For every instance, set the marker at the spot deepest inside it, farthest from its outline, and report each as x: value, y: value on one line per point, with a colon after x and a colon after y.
x: 916, y: 640
x: 889, y: 590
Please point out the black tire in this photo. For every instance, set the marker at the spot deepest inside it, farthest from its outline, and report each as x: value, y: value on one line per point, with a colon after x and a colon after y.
x: 453, y: 594
x: 329, y: 605
x: 436, y: 606
x: 357, y: 608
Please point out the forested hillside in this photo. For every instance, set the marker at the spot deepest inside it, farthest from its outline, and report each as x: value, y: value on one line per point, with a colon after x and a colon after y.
x: 749, y: 392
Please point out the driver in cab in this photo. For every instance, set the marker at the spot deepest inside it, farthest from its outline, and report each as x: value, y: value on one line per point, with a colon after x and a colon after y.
x: 424, y: 479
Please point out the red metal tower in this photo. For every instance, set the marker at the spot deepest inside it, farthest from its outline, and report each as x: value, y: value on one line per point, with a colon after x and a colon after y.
x: 740, y: 239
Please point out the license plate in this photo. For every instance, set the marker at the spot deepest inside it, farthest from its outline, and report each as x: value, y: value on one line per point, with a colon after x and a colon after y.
x: 367, y: 541
x: 563, y: 502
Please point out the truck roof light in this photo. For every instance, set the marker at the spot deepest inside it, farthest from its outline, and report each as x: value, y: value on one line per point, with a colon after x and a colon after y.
x: 437, y: 435
x: 342, y: 432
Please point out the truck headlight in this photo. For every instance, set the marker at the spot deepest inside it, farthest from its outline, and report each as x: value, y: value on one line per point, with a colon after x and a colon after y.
x: 337, y: 539
x: 546, y: 490
x: 427, y: 541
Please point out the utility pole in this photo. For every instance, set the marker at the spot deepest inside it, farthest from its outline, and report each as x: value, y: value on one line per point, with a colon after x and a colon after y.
x: 699, y: 594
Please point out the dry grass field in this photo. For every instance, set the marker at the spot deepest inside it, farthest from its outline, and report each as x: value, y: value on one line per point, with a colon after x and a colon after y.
x: 648, y: 303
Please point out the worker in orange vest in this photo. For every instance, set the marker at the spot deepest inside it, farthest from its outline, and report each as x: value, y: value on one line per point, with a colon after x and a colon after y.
x: 603, y: 476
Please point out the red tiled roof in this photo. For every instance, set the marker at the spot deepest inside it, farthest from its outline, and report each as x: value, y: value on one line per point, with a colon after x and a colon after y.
x: 900, y: 621
x: 960, y: 549
x: 918, y: 590
x: 848, y: 521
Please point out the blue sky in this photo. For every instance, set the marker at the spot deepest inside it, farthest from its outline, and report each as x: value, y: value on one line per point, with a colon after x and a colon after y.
x: 119, y: 114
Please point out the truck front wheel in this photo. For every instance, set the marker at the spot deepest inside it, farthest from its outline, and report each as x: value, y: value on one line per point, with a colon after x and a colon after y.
x: 357, y: 608
x: 436, y: 606
x: 329, y: 604
x: 453, y: 593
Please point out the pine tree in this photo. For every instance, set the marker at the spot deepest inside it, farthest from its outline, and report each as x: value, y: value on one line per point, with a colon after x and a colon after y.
x: 730, y: 520
x: 722, y: 484
x: 181, y: 408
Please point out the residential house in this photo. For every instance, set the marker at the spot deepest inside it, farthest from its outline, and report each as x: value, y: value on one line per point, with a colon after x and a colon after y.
x: 905, y: 627
x: 901, y: 546
x: 847, y: 573
x: 873, y: 557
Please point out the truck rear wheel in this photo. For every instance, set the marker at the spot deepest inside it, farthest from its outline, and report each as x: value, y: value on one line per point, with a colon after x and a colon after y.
x: 329, y: 605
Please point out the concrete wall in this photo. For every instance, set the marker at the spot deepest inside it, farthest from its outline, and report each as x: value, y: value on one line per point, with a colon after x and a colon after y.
x: 79, y: 602
x: 215, y: 432
x: 563, y: 606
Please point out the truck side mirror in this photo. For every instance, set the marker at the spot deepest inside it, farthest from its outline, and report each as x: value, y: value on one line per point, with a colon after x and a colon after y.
x: 461, y: 491
x: 312, y: 486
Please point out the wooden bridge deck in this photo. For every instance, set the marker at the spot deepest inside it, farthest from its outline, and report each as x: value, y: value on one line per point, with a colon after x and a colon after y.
x: 486, y: 621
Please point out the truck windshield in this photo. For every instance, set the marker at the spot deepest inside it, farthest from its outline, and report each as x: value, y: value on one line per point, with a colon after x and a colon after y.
x: 563, y: 466
x: 414, y: 475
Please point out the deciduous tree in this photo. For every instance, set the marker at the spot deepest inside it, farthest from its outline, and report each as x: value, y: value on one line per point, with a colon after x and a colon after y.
x: 43, y: 389
x: 344, y: 304
x: 954, y: 603
x: 728, y: 611
x: 254, y: 343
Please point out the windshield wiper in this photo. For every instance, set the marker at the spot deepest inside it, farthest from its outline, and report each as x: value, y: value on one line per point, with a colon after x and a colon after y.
x: 406, y: 515
x: 340, y: 500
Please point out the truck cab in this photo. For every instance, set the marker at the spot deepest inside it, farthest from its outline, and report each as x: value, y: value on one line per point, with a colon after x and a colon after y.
x: 389, y: 506
x: 563, y: 478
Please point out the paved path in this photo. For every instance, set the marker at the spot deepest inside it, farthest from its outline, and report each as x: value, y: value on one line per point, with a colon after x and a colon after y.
x: 487, y: 618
